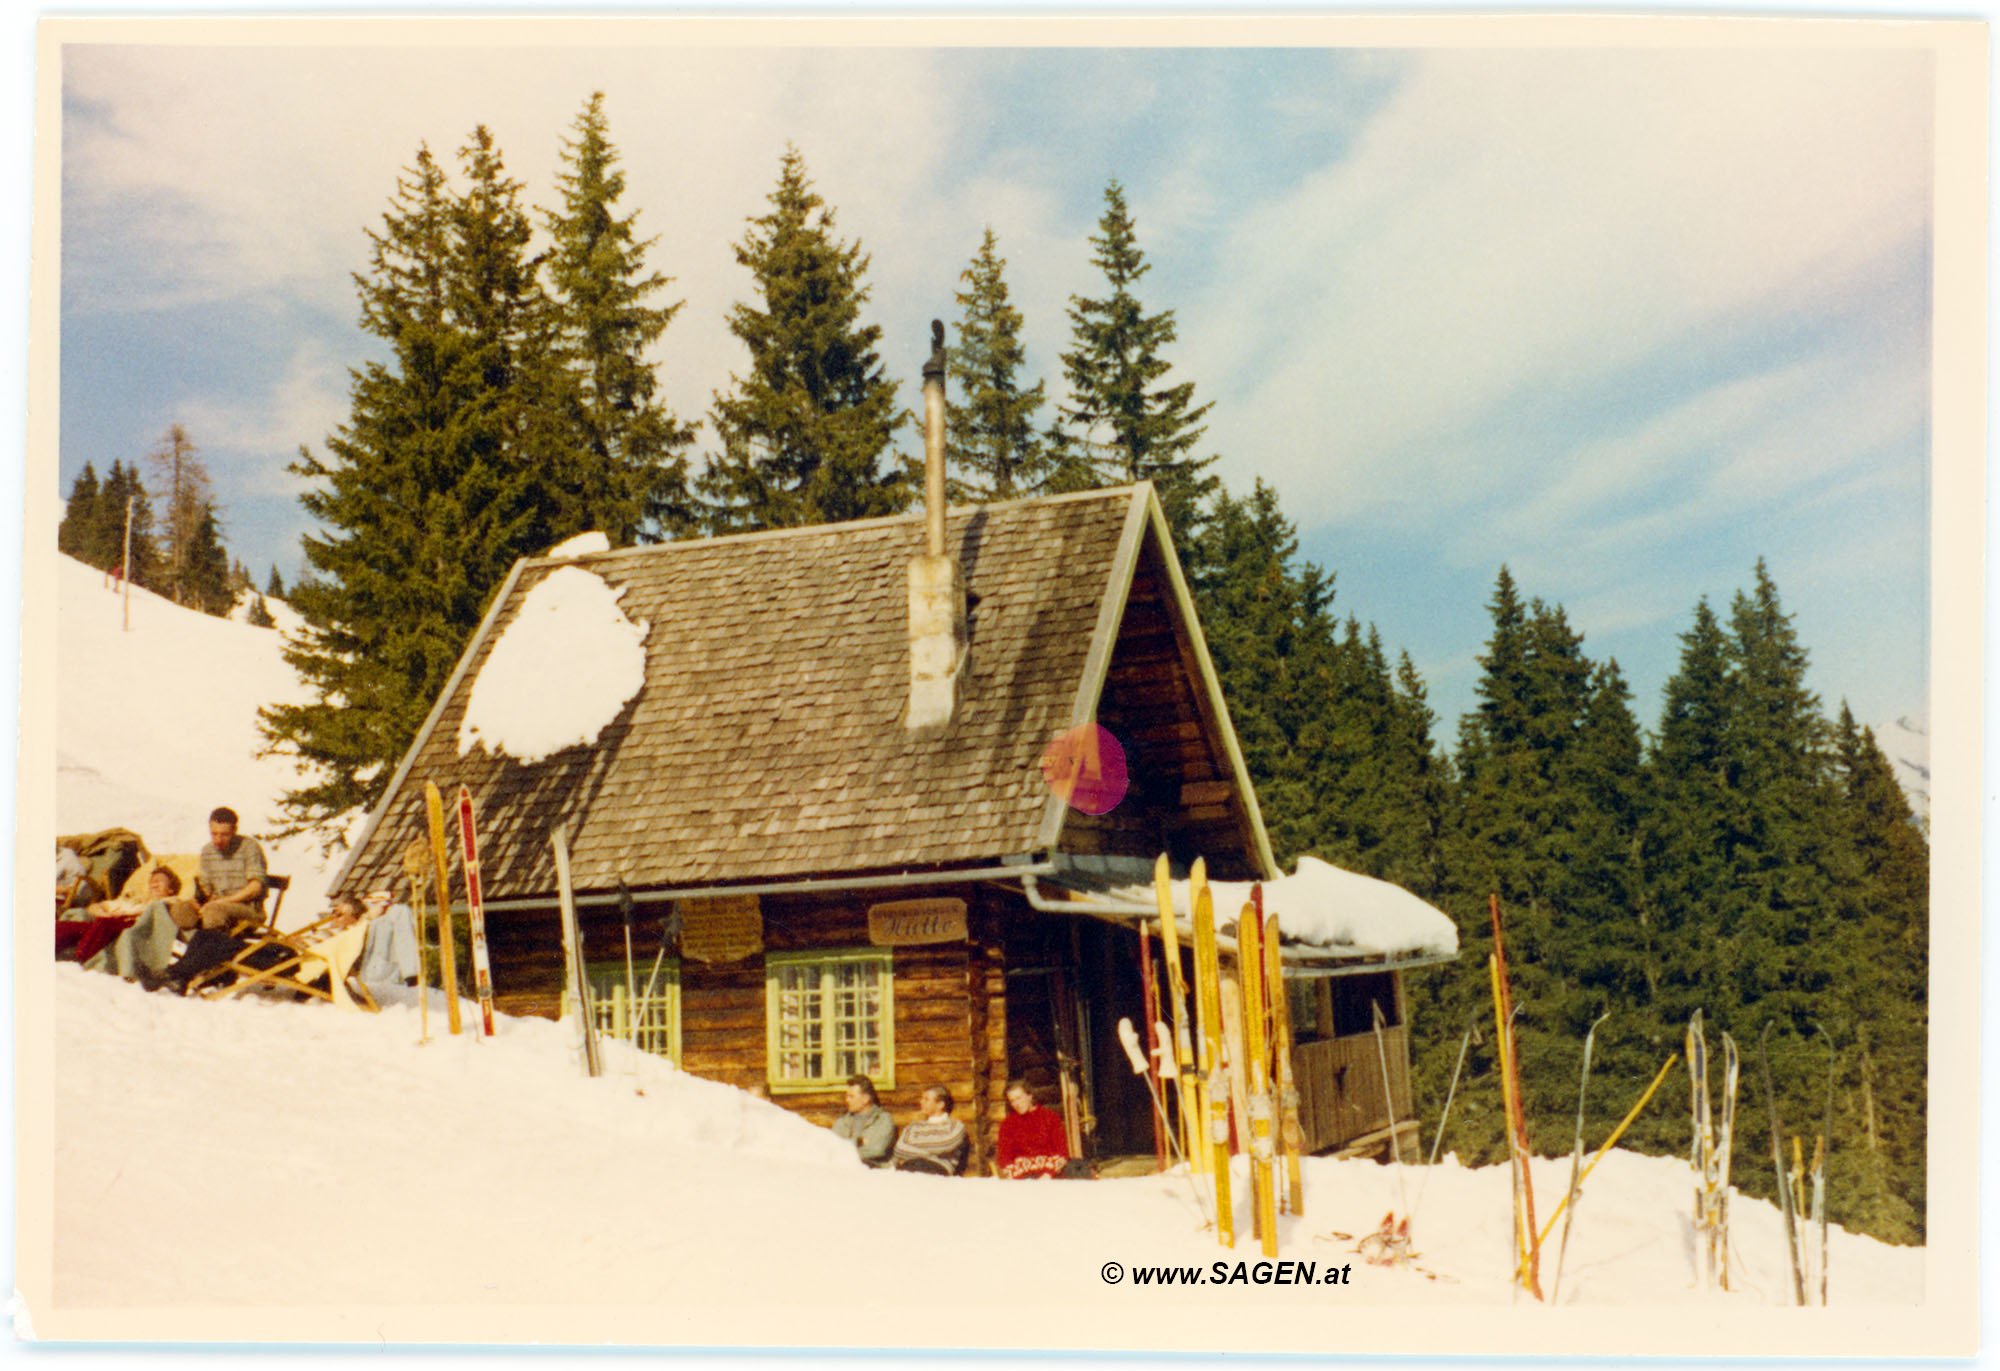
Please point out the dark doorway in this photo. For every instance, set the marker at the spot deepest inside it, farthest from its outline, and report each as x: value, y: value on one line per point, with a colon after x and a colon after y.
x: 1108, y: 989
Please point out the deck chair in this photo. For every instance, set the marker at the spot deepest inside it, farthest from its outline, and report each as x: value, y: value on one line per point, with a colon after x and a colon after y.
x: 293, y: 963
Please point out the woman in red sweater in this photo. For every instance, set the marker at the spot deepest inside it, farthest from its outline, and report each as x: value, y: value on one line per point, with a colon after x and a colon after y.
x: 1032, y: 1140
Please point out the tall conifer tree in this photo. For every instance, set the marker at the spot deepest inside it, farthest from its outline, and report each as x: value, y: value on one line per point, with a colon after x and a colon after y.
x: 627, y: 473
x: 804, y: 432
x: 1138, y: 427
x: 437, y: 482
x: 992, y: 446
x: 79, y: 513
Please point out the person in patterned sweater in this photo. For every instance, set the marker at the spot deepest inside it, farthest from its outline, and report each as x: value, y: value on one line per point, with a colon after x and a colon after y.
x: 1032, y: 1140
x: 934, y: 1141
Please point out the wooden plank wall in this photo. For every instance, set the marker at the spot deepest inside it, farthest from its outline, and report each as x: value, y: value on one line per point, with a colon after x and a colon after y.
x: 1182, y: 797
x: 1340, y: 1086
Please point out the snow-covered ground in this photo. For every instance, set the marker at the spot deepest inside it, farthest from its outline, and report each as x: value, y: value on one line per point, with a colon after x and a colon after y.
x: 277, y: 1154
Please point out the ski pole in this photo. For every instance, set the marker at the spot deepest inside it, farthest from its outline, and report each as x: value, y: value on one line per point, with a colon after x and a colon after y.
x: 1831, y: 1057
x: 1389, y: 1100
x: 1617, y: 1134
x: 1450, y: 1094
x: 1575, y: 1159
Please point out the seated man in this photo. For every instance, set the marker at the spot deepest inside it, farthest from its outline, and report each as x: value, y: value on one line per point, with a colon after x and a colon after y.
x: 866, y: 1123
x: 934, y: 1141
x: 230, y: 886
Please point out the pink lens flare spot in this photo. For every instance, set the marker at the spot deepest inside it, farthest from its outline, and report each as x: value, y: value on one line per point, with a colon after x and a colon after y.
x: 1085, y: 767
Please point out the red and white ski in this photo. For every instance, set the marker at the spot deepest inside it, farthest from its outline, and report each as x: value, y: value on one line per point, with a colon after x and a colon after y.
x: 482, y: 974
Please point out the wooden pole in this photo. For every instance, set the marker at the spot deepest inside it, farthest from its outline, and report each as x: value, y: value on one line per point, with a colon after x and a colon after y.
x: 125, y: 567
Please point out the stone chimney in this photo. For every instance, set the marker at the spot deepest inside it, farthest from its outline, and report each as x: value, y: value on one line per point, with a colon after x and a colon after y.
x: 937, y: 585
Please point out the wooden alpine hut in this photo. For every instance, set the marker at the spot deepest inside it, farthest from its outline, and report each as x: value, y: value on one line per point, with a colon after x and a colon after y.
x: 824, y: 819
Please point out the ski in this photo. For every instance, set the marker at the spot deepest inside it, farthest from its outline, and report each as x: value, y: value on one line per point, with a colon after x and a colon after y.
x: 1575, y: 1158
x: 475, y: 910
x: 1291, y: 1134
x: 579, y: 982
x: 1701, y: 1150
x: 1517, y: 1118
x: 1250, y: 976
x: 1724, y: 1146
x: 1208, y: 1009
x: 1778, y: 1164
x: 1187, y: 1083
x: 1819, y: 1178
x: 447, y: 951
x: 1149, y: 1000
x: 415, y: 860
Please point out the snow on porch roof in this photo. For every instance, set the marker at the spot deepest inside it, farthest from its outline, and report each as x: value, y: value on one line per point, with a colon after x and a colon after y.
x: 1324, y: 912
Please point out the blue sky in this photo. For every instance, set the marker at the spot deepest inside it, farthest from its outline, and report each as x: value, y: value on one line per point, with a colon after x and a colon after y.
x: 1624, y: 320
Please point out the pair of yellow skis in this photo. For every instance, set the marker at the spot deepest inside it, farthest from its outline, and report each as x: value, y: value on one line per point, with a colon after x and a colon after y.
x: 1203, y: 1083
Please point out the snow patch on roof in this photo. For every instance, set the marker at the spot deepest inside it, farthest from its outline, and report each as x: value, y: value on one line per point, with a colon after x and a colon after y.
x: 592, y: 541
x: 562, y: 670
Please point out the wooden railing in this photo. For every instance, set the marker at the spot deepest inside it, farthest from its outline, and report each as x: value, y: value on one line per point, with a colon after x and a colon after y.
x: 1340, y: 1086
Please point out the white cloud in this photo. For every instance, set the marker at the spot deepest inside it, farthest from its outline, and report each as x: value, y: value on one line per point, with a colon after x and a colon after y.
x: 249, y: 440
x: 1521, y: 223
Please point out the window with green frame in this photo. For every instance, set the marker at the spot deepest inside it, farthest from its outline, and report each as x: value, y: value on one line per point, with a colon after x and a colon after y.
x: 628, y: 1010
x: 829, y: 1015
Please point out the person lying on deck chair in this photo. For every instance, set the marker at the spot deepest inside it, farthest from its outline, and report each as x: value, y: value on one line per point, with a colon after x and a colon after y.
x: 866, y: 1123
x: 230, y: 885
x: 934, y: 1141
x: 143, y: 952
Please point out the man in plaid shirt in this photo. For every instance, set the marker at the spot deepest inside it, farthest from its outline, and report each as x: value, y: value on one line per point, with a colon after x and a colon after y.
x: 230, y: 883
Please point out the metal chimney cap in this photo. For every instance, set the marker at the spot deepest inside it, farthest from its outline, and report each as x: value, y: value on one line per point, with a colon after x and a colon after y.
x: 934, y: 368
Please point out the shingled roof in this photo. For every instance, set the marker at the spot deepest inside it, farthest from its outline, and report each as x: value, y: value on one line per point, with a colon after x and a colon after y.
x: 767, y: 742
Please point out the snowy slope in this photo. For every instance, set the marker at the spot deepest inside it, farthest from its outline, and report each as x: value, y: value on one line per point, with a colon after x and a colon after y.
x: 157, y: 725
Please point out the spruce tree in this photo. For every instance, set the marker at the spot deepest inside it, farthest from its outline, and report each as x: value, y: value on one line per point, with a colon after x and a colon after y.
x: 104, y: 541
x: 79, y: 514
x: 436, y: 483
x: 804, y: 432
x: 627, y: 472
x: 992, y: 448
x: 207, y: 584
x: 1137, y: 427
x: 275, y: 586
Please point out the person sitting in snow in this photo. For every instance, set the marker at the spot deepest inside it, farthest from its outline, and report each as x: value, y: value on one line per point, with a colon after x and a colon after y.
x: 934, y: 1141
x: 143, y: 952
x: 1033, y: 1143
x: 866, y: 1123
x: 230, y: 882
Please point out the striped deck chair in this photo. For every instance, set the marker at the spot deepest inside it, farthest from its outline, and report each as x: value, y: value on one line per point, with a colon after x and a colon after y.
x: 316, y: 961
